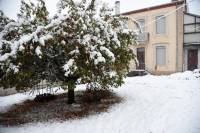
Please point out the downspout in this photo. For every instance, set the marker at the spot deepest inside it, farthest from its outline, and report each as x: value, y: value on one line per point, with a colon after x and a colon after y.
x: 177, y: 38
x: 184, y: 56
x: 184, y: 52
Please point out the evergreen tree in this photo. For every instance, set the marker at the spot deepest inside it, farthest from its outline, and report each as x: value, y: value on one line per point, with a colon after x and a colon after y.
x: 22, y: 66
x: 3, y: 20
x: 82, y: 43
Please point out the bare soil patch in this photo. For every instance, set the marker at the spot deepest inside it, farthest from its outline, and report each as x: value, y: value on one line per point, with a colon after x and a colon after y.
x: 55, y: 107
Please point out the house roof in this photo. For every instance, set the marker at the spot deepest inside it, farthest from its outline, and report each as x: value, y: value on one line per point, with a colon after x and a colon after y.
x: 154, y: 7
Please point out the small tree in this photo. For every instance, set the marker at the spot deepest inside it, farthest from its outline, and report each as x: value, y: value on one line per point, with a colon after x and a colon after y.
x: 99, y: 47
x: 81, y: 44
x: 21, y: 64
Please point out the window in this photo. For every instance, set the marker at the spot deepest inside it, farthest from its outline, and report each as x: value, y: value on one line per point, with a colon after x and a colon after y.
x: 142, y: 24
x: 197, y: 27
x: 160, y: 55
x: 197, y: 20
x: 160, y: 24
x: 125, y: 24
x: 189, y: 28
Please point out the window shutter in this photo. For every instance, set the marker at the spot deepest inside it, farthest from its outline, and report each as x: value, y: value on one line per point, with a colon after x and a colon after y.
x: 160, y: 55
x: 160, y: 25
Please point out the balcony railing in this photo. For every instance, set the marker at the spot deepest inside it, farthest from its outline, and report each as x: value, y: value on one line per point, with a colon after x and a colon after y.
x: 143, y: 37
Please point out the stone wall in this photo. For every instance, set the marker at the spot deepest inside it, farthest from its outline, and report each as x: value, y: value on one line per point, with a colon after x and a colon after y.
x: 5, y: 92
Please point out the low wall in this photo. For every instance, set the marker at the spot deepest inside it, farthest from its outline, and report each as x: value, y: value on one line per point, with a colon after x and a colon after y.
x: 5, y: 92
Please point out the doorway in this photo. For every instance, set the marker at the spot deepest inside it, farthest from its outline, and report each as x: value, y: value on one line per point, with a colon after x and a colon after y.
x: 192, y: 59
x: 141, y: 58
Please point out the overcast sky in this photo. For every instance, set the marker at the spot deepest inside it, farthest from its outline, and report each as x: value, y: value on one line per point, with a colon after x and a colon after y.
x: 11, y: 7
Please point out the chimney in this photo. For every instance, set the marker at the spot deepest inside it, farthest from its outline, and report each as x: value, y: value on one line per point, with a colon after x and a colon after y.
x: 185, y: 3
x: 117, y: 7
x: 186, y: 6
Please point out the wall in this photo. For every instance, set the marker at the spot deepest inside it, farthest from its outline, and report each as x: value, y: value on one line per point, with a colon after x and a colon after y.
x: 191, y: 36
x: 180, y: 37
x: 169, y: 40
x: 4, y: 92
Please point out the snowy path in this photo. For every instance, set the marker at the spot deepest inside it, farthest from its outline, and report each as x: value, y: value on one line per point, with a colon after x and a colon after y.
x: 153, y: 104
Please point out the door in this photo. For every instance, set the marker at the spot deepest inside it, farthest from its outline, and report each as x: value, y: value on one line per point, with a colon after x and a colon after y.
x: 141, y: 58
x: 192, y: 59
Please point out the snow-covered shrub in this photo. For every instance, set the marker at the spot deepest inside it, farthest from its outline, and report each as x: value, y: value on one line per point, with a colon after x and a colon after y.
x: 197, y: 73
x: 20, y: 45
x: 82, y: 43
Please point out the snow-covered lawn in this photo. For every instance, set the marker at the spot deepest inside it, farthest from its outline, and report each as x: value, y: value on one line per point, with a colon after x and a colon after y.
x: 152, y: 104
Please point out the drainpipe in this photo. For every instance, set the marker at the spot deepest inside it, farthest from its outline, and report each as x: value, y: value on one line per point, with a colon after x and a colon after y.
x: 177, y: 38
x: 186, y: 6
x: 184, y: 51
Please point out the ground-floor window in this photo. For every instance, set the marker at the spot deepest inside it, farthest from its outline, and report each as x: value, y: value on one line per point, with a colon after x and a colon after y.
x: 160, y: 55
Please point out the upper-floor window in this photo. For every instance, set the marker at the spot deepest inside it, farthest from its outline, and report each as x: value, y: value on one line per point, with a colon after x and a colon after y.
x: 160, y: 24
x: 125, y: 24
x: 191, y: 24
x: 141, y: 22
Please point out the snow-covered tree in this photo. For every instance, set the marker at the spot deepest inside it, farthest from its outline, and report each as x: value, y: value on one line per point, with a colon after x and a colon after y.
x: 82, y: 43
x: 21, y: 64
x: 3, y: 20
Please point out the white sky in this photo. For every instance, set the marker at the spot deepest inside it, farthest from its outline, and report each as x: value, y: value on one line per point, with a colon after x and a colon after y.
x: 11, y: 7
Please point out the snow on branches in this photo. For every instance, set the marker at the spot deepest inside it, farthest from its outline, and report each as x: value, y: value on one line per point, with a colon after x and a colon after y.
x: 82, y: 40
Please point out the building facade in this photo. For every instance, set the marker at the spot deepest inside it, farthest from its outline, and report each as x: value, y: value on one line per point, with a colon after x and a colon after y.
x: 191, y: 41
x: 162, y: 43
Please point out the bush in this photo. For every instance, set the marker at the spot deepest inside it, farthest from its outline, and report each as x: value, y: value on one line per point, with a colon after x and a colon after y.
x: 46, y: 97
x: 90, y: 96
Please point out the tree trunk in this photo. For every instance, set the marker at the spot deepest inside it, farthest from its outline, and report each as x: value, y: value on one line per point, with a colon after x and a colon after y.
x: 71, y: 97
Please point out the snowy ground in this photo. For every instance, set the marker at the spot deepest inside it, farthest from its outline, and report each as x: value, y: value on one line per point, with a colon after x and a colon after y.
x: 153, y: 104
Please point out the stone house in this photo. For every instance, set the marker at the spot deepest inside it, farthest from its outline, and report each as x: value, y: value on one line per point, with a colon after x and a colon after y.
x: 170, y: 38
